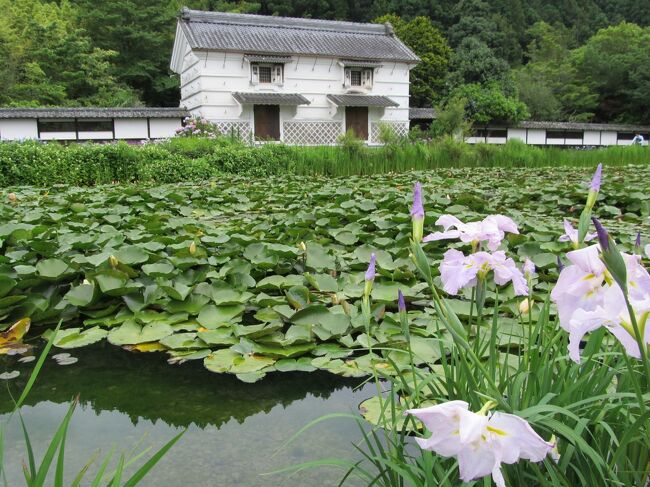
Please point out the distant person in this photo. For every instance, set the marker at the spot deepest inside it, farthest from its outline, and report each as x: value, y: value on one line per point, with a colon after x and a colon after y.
x: 638, y: 140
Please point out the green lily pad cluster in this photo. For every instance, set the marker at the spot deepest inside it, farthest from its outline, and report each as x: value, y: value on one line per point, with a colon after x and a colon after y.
x: 255, y: 276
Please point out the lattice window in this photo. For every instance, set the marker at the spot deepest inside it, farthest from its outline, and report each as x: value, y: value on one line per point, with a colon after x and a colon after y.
x: 312, y: 133
x: 241, y: 130
x: 401, y: 129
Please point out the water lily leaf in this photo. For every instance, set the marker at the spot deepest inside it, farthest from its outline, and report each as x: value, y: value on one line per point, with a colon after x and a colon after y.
x: 182, y: 356
x: 159, y: 269
x: 111, y: 281
x: 335, y: 324
x: 77, y: 337
x: 6, y: 285
x: 132, y: 254
x: 256, y: 331
x: 291, y: 351
x: 182, y: 341
x: 250, y: 363
x: 220, y: 336
x: 212, y: 316
x: 318, y: 258
x: 298, y: 296
x: 131, y: 333
x: 52, y: 269
x: 220, y: 361
x: 302, y: 364
x: 251, y: 377
x: 145, y: 347
x: 178, y: 291
x: 193, y: 304
x: 81, y: 295
x: 323, y: 282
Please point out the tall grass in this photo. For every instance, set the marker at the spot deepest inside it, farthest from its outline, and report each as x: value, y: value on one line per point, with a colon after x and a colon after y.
x: 336, y: 161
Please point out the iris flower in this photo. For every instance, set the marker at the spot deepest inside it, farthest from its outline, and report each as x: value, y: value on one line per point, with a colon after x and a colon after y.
x: 587, y: 298
x: 459, y: 270
x: 571, y: 234
x: 417, y: 213
x: 492, y: 229
x: 480, y: 441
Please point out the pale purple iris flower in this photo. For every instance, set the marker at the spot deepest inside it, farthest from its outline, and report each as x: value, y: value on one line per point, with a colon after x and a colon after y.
x: 587, y: 299
x: 458, y: 271
x: 580, y: 284
x: 571, y: 234
x: 529, y: 268
x: 401, y: 303
x: 647, y: 251
x: 417, y: 210
x: 595, y: 181
x: 417, y: 213
x: 370, y: 273
x: 492, y: 229
x: 480, y: 441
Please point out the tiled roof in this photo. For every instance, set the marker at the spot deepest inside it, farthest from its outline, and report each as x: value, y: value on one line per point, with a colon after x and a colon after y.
x: 613, y: 127
x: 422, y: 113
x: 155, y: 112
x: 362, y: 101
x: 270, y: 99
x: 292, y: 36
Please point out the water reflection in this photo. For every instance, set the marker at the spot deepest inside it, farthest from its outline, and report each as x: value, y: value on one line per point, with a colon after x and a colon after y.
x: 234, y: 428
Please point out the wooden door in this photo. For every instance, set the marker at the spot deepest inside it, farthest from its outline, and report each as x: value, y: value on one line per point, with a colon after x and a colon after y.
x: 267, y: 122
x: 356, y: 118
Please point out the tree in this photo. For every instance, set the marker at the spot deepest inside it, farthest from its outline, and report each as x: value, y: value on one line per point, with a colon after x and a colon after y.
x: 425, y: 40
x: 54, y: 61
x: 487, y: 103
x: 475, y: 63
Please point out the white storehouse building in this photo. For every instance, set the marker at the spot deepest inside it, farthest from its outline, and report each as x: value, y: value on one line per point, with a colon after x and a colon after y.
x: 300, y: 81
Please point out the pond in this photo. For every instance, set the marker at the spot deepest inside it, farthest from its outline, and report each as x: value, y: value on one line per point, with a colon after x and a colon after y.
x: 235, y: 430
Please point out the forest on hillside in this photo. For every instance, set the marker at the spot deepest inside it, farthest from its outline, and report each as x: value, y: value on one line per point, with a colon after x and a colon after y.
x: 584, y: 60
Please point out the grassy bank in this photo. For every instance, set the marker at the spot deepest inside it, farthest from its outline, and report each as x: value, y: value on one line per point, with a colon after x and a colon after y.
x: 189, y: 159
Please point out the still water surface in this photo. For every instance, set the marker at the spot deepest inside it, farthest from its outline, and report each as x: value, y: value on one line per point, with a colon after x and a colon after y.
x: 235, y: 430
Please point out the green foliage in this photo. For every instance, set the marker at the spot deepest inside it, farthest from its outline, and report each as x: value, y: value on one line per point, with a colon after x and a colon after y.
x: 196, y: 159
x: 488, y: 103
x: 451, y: 119
x: 52, y: 61
x: 428, y: 77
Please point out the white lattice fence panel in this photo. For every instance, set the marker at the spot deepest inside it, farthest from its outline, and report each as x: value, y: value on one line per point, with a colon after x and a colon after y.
x: 312, y: 133
x: 401, y: 129
x: 243, y: 130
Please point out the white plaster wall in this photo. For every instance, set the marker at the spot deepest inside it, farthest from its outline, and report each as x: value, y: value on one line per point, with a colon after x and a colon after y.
x: 475, y: 140
x: 517, y: 134
x: 209, y: 79
x: 592, y: 137
x: 608, y: 138
x: 497, y: 140
x: 161, y: 128
x: 18, y: 129
x: 131, y: 128
x: 573, y: 141
x: 58, y: 135
x: 95, y: 135
x: 537, y: 136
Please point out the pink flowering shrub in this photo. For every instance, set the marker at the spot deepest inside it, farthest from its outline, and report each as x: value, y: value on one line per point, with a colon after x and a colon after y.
x: 198, y: 127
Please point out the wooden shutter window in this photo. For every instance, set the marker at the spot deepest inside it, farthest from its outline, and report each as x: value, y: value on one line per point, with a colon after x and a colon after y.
x: 366, y: 78
x: 277, y: 74
x: 348, y: 77
x: 255, y: 76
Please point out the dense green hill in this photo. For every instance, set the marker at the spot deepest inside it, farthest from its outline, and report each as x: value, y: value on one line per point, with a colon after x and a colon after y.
x: 551, y: 55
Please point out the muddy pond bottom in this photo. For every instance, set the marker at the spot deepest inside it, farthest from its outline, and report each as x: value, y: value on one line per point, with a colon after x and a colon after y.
x: 235, y: 431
